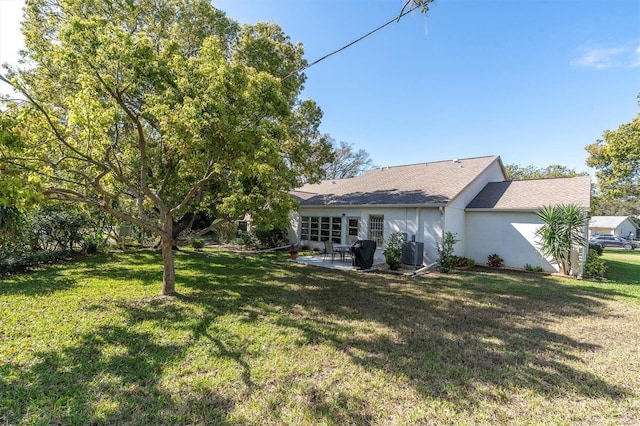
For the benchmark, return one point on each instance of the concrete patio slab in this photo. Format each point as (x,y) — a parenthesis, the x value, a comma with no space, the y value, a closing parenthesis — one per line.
(325,262)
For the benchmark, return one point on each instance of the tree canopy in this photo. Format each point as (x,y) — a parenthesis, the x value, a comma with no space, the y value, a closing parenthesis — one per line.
(616,158)
(517,172)
(147,110)
(347,162)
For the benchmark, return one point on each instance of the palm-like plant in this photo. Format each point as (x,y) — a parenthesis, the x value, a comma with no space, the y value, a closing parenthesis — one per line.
(562,232)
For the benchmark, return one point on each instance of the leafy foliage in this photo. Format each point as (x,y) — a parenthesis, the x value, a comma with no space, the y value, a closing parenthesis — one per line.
(446,258)
(616,158)
(393,250)
(47,234)
(603,206)
(594,267)
(495,261)
(517,172)
(197,243)
(531,268)
(13,231)
(151,110)
(562,233)
(268,238)
(58,227)
(463,262)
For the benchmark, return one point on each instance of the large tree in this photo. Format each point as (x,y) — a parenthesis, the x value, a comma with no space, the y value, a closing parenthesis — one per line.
(148,109)
(347,162)
(616,158)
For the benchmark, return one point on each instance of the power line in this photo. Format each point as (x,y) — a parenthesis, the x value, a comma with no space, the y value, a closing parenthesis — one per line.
(395,19)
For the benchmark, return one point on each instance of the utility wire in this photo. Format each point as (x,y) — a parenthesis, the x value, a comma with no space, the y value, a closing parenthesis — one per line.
(396,19)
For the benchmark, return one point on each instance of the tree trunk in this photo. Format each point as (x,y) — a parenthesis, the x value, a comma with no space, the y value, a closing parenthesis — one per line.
(169,275)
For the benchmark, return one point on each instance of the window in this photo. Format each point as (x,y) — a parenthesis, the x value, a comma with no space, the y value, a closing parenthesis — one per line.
(336,229)
(321,228)
(305,228)
(315,229)
(376,229)
(354,227)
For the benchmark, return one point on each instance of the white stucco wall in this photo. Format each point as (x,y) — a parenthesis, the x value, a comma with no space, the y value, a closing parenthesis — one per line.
(455,215)
(454,222)
(399,219)
(431,231)
(509,234)
(424,223)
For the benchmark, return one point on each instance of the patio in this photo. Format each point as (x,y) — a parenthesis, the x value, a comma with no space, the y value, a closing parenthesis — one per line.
(325,261)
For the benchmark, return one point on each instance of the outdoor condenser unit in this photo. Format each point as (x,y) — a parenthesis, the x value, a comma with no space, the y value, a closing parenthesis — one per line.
(412,253)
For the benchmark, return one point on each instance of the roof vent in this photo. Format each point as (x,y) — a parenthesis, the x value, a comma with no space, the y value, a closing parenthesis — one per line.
(456,161)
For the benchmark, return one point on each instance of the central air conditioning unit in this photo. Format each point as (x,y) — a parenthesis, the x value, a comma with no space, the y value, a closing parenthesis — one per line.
(412,253)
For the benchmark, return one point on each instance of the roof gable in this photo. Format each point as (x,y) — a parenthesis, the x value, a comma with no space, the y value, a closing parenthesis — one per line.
(608,221)
(534,194)
(424,183)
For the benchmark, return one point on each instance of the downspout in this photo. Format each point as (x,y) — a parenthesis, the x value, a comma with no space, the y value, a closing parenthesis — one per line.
(442,225)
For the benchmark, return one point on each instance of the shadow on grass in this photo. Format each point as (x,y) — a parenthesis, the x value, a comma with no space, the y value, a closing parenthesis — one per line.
(35,283)
(447,336)
(446,345)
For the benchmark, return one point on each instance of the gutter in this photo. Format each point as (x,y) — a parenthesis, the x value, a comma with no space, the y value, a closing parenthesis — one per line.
(362,206)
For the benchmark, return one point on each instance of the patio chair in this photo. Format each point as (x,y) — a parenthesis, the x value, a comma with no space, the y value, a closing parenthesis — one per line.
(328,250)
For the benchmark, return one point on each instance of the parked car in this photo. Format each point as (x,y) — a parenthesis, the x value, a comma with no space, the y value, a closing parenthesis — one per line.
(613,241)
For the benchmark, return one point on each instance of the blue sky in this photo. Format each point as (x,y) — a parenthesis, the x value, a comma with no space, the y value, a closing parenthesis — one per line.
(533,81)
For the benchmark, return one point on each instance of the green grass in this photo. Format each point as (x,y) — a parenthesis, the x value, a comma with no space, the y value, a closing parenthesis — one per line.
(256,339)
(623,267)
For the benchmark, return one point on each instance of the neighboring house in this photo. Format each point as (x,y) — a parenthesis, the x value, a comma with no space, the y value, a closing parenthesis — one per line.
(468,197)
(621,226)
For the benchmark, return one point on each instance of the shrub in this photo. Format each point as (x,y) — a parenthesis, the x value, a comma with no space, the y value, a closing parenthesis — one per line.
(14,235)
(594,267)
(562,232)
(197,244)
(495,261)
(246,239)
(225,231)
(22,263)
(59,227)
(268,238)
(531,268)
(393,251)
(446,258)
(463,262)
(91,245)
(598,248)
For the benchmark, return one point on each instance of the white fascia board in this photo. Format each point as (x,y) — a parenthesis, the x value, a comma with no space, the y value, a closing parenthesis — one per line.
(368,206)
(503,210)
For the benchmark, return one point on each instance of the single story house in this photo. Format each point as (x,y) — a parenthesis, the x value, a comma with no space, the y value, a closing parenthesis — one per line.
(468,197)
(621,226)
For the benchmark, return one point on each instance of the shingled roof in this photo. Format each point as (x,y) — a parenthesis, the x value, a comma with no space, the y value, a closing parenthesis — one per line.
(533,194)
(434,183)
(607,221)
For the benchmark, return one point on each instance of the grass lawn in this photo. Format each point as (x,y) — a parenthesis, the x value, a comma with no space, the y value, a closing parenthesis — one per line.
(256,339)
